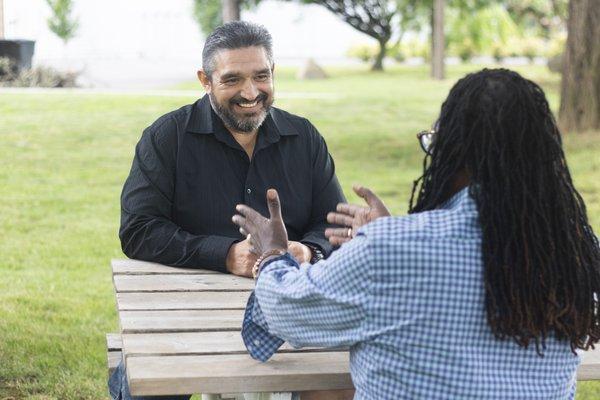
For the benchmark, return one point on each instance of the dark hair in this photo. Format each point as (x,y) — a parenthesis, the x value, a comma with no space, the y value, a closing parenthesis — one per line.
(541,257)
(235,35)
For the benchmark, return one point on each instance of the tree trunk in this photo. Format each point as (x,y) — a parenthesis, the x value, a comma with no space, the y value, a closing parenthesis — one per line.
(580,92)
(231,10)
(1,19)
(437,40)
(378,64)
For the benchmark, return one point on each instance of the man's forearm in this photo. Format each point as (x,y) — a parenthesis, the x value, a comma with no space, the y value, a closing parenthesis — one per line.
(159,240)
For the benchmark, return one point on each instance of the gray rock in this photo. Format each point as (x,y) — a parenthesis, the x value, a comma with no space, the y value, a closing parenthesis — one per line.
(310,70)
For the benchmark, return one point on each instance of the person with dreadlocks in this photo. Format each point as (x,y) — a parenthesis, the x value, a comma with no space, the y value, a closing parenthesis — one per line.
(484,291)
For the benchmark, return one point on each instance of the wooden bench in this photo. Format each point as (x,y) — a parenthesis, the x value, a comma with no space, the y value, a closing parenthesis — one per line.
(180,334)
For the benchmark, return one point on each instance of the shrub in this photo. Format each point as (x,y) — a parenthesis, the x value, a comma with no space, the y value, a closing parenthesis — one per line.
(34,77)
(364,52)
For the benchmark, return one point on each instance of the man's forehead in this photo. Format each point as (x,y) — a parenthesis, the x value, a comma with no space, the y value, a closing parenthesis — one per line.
(239,61)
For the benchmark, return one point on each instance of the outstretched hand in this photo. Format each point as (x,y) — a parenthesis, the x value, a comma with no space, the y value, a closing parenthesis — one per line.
(266,233)
(352,217)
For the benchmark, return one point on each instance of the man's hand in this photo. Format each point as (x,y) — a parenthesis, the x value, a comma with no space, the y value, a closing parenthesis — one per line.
(301,252)
(352,217)
(240,259)
(266,233)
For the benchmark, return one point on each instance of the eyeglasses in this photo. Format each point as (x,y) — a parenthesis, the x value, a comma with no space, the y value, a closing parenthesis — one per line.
(426,139)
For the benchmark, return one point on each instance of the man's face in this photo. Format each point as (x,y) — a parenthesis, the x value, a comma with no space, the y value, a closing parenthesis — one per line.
(241,87)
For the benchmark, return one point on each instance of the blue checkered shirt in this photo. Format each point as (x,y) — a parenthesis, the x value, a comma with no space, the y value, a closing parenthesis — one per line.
(407,297)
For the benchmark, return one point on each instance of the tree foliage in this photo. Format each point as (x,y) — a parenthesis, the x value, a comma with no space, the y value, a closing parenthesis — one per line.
(61,22)
(209,13)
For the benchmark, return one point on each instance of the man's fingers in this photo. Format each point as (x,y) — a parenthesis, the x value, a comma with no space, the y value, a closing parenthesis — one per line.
(339,219)
(273,204)
(241,222)
(367,194)
(248,213)
(341,232)
(338,240)
(350,209)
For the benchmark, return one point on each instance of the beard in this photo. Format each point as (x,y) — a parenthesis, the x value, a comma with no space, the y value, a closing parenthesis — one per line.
(239,122)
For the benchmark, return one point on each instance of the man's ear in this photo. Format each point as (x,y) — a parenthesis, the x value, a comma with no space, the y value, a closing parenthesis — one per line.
(205,81)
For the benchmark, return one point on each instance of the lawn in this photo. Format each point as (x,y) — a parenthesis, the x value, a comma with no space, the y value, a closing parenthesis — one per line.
(63,160)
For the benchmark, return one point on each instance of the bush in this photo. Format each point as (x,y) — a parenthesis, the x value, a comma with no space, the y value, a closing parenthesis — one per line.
(34,77)
(364,52)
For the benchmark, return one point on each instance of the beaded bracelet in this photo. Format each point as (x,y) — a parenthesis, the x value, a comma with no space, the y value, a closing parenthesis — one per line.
(272,252)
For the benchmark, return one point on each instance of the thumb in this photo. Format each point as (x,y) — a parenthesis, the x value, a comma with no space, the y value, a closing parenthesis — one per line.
(366,193)
(273,204)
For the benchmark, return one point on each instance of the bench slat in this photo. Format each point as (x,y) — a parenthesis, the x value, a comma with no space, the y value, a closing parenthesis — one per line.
(114,342)
(180,321)
(238,373)
(137,267)
(181,283)
(192,343)
(182,301)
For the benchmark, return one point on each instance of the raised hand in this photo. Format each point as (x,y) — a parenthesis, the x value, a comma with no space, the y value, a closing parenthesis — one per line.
(266,233)
(352,217)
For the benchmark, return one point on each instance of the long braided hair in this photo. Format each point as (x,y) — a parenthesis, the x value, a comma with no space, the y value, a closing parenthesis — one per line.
(541,257)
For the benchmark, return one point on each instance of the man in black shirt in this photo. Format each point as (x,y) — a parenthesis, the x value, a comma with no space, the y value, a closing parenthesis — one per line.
(193,165)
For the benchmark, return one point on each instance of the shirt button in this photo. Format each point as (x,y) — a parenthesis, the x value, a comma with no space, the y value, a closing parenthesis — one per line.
(249,191)
(256,342)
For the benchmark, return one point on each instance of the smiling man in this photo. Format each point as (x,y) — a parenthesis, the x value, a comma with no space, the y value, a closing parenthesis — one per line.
(193,165)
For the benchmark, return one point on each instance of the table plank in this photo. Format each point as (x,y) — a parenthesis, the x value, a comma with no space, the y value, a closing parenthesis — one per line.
(137,267)
(182,301)
(589,369)
(194,343)
(238,373)
(181,283)
(180,321)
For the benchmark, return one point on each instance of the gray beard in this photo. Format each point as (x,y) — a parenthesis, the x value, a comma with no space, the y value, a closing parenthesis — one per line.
(233,122)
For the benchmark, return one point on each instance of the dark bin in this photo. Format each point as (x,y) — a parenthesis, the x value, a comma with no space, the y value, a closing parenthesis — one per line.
(20,51)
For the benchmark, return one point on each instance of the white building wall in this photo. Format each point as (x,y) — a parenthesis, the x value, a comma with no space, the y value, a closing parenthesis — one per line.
(155,43)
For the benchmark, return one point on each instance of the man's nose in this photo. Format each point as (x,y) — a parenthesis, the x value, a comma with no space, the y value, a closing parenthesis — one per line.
(249,91)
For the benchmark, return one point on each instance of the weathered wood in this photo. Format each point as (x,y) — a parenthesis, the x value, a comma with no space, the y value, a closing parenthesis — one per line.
(137,267)
(182,301)
(192,343)
(589,369)
(114,358)
(114,342)
(181,283)
(180,321)
(238,373)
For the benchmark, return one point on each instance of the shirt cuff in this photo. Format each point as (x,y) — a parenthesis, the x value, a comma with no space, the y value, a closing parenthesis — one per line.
(261,345)
(213,252)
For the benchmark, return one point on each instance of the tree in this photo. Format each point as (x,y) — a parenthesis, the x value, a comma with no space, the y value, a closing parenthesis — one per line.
(209,13)
(437,40)
(580,91)
(61,22)
(379,19)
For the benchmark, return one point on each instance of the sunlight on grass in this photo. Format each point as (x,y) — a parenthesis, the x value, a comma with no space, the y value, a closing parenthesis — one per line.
(63,160)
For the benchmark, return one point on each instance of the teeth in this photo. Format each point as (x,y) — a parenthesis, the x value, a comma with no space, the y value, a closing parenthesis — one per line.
(248,105)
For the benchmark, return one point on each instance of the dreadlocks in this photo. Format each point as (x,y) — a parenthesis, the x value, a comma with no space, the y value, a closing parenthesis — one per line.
(541,258)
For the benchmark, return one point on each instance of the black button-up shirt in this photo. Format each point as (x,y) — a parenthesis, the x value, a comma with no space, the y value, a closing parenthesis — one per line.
(189,173)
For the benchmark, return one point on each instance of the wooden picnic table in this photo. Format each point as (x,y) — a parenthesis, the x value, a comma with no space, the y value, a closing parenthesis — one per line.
(180,332)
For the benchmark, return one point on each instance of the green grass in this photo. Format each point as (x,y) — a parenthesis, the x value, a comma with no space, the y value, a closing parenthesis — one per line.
(64,157)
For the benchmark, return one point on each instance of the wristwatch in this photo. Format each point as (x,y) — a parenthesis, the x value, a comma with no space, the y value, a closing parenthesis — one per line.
(317,253)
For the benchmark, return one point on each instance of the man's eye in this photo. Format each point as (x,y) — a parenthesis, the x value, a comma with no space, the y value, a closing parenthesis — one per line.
(262,77)
(231,81)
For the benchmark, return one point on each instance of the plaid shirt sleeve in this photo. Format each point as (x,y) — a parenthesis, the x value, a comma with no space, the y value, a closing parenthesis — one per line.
(322,304)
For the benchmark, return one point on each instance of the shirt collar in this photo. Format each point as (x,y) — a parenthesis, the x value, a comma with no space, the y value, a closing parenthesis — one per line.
(204,120)
(461,199)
